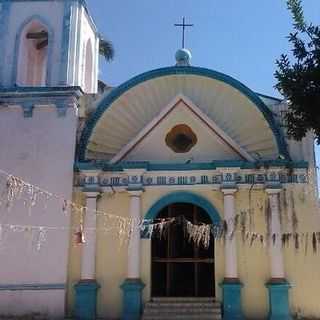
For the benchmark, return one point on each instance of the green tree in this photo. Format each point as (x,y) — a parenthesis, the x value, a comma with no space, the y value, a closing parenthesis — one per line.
(106,49)
(299,80)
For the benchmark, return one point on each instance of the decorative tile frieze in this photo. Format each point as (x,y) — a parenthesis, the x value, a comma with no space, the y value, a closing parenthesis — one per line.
(129,179)
(133,178)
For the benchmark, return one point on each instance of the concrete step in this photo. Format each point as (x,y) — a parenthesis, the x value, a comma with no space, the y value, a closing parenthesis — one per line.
(183,317)
(183,304)
(182,308)
(182,299)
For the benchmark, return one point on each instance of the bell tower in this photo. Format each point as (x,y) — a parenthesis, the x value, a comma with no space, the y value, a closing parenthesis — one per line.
(48,44)
(48,59)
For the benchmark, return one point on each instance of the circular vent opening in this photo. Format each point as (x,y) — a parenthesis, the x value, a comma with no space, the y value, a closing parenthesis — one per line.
(181,138)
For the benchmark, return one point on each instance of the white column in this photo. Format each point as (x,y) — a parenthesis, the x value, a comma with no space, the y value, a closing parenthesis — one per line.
(88,257)
(134,244)
(231,263)
(275,245)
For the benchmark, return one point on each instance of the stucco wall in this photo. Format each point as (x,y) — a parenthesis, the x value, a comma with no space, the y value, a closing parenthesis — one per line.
(301,269)
(39,149)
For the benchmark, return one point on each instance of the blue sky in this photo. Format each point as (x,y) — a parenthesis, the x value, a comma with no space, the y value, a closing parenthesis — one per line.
(240,38)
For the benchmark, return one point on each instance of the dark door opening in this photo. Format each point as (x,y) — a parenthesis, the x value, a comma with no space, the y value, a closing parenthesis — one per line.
(179,267)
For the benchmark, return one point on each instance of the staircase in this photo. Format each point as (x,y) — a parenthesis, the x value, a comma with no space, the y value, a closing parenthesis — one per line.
(182,308)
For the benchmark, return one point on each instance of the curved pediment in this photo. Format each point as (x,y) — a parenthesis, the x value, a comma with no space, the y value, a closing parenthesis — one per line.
(128,109)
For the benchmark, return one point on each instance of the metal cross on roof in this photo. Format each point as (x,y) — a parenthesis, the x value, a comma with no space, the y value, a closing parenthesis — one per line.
(183,25)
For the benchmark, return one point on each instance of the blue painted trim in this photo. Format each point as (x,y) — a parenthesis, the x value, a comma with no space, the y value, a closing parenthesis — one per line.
(90,188)
(105,166)
(86,299)
(22,89)
(39,91)
(65,43)
(44,22)
(117,92)
(4,23)
(27,97)
(183,197)
(279,300)
(231,299)
(32,286)
(132,299)
(269,97)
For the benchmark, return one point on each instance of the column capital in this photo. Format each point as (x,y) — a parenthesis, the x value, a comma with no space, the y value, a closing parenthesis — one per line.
(135,193)
(271,191)
(229,177)
(91,192)
(230,190)
(229,169)
(135,179)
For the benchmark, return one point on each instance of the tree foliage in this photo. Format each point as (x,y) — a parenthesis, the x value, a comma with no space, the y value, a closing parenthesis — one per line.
(106,49)
(299,80)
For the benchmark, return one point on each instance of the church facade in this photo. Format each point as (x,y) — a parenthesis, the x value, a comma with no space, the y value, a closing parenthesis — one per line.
(184,188)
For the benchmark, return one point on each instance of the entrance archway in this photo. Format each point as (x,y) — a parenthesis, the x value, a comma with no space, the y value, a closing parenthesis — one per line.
(180,268)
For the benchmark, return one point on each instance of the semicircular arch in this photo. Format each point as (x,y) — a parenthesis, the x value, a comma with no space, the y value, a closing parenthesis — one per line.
(17,46)
(183,197)
(108,100)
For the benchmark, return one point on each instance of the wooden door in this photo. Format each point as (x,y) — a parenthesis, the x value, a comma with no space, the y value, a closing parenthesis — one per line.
(179,267)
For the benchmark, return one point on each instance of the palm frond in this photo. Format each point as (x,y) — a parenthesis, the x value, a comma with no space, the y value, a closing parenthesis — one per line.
(106,49)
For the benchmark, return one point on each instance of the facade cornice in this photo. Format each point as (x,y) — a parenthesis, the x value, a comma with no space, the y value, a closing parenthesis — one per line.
(36,92)
(226,164)
(29,98)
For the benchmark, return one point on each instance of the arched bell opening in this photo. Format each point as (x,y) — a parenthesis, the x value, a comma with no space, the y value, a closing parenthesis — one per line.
(88,67)
(33,52)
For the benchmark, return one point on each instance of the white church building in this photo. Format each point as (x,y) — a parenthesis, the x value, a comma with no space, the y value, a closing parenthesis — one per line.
(181,148)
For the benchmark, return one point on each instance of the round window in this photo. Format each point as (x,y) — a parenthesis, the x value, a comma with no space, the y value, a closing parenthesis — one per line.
(181,138)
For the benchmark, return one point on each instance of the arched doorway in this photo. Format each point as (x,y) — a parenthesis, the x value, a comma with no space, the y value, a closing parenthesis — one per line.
(180,268)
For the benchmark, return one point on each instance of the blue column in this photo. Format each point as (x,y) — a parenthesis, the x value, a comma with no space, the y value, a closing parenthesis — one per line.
(86,299)
(132,299)
(279,300)
(231,295)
